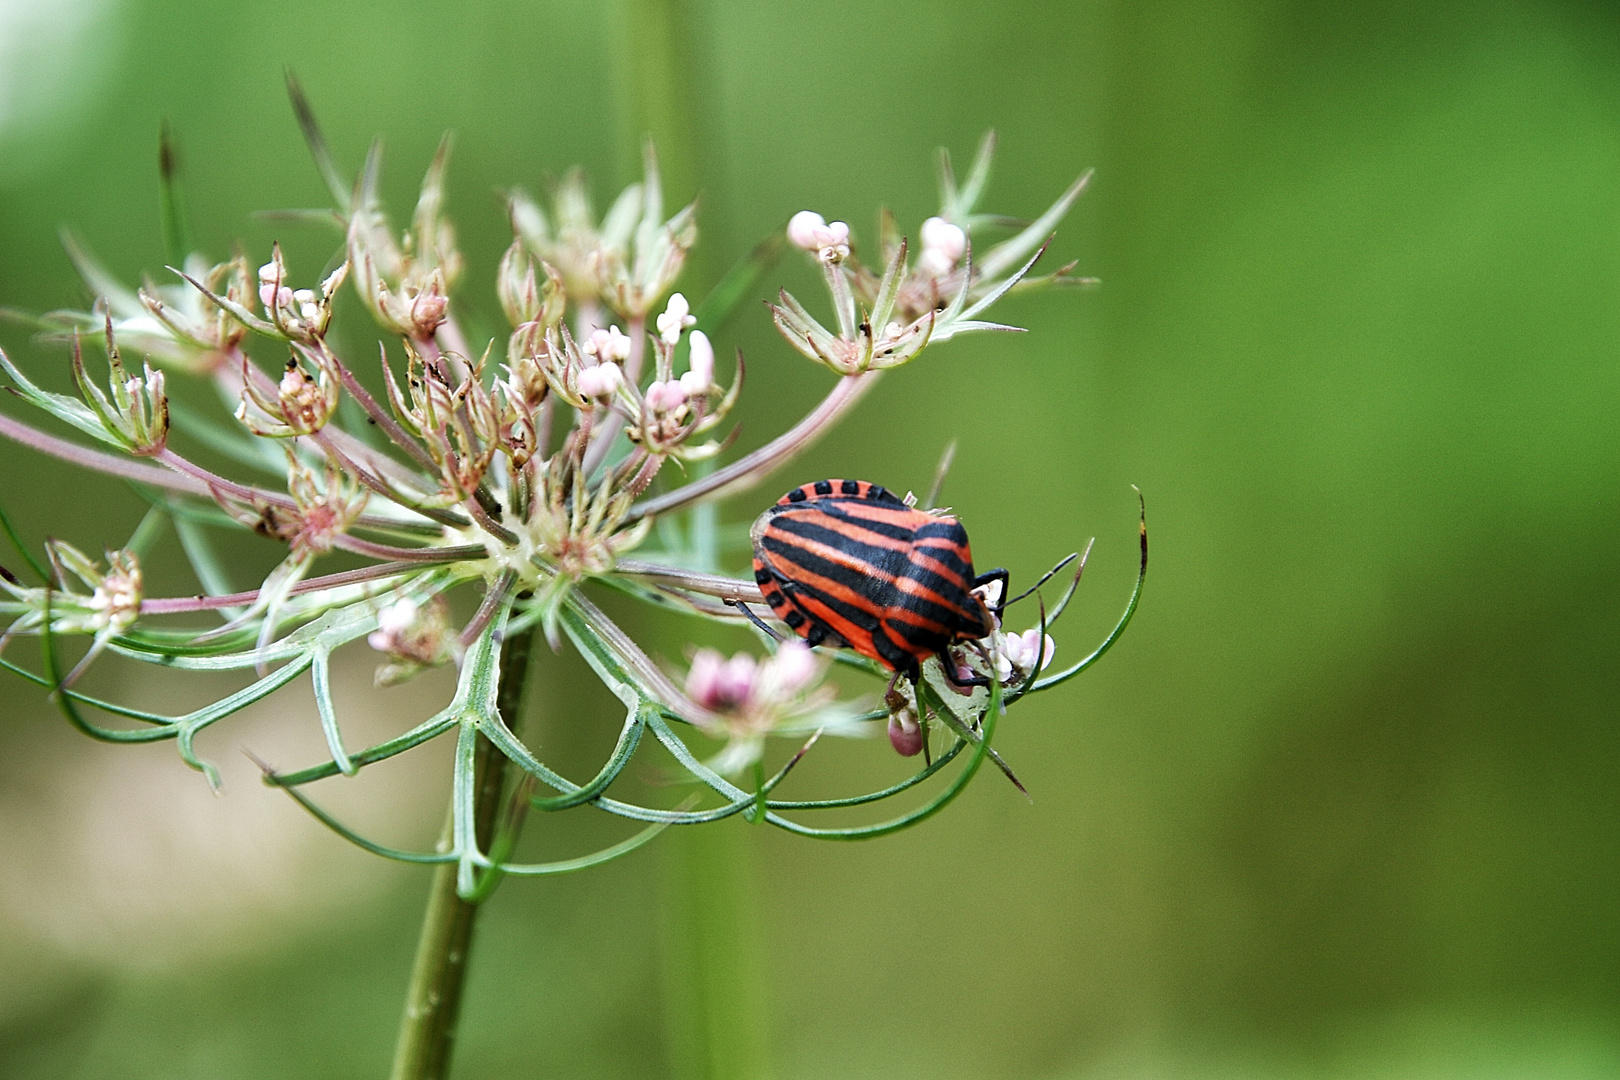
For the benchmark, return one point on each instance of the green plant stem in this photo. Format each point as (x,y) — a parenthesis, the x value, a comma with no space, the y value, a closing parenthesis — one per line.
(716,990)
(427,1031)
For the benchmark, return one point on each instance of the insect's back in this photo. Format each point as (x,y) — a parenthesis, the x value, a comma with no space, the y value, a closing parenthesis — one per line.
(845,562)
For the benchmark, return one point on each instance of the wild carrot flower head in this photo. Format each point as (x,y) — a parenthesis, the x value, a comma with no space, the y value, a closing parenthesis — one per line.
(567,466)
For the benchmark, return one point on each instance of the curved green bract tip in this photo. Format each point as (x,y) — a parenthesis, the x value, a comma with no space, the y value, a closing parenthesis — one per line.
(1113,635)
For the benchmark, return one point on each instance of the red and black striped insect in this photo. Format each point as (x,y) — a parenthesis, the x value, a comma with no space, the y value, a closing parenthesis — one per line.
(845,562)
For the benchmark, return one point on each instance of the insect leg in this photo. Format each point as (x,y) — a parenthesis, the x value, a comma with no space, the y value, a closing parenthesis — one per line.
(947,666)
(755,619)
(998,574)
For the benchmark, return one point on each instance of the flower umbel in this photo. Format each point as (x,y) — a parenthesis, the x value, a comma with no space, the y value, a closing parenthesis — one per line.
(532,480)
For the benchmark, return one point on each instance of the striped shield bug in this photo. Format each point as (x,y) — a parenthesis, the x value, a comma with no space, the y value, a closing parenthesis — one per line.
(846,563)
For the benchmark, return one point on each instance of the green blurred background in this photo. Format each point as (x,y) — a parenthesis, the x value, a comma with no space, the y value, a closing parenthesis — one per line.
(1342,804)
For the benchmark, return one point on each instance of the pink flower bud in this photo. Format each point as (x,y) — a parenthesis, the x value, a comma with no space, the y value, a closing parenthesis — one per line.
(1037,649)
(606,345)
(1023,650)
(394,619)
(428,311)
(941,236)
(599,381)
(934,263)
(720,684)
(905,734)
(665,397)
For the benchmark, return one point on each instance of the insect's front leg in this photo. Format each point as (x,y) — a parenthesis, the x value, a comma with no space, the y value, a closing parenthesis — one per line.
(998,574)
(948,667)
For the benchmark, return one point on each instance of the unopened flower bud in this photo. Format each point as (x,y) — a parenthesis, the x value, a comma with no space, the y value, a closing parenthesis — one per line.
(118,597)
(299,314)
(803,230)
(940,236)
(517,286)
(135,411)
(599,381)
(735,681)
(428,309)
(115,600)
(665,397)
(905,734)
(810,231)
(303,402)
(520,440)
(700,374)
(606,345)
(677,316)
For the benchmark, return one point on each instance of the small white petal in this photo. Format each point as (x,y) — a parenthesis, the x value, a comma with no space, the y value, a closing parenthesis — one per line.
(949,241)
(805,228)
(793,666)
(700,358)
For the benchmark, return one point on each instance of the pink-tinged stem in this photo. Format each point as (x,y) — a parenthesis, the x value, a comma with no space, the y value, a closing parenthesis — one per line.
(180,604)
(214,484)
(448,367)
(494,597)
(389,425)
(692,581)
(377,484)
(487,523)
(86,458)
(404,554)
(748,470)
(186,478)
(644,475)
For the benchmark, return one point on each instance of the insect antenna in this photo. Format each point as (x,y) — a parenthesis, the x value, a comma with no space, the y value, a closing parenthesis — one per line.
(940,472)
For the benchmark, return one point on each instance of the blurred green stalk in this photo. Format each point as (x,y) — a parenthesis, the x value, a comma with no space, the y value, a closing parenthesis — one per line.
(715,1009)
(427,1031)
(715,1005)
